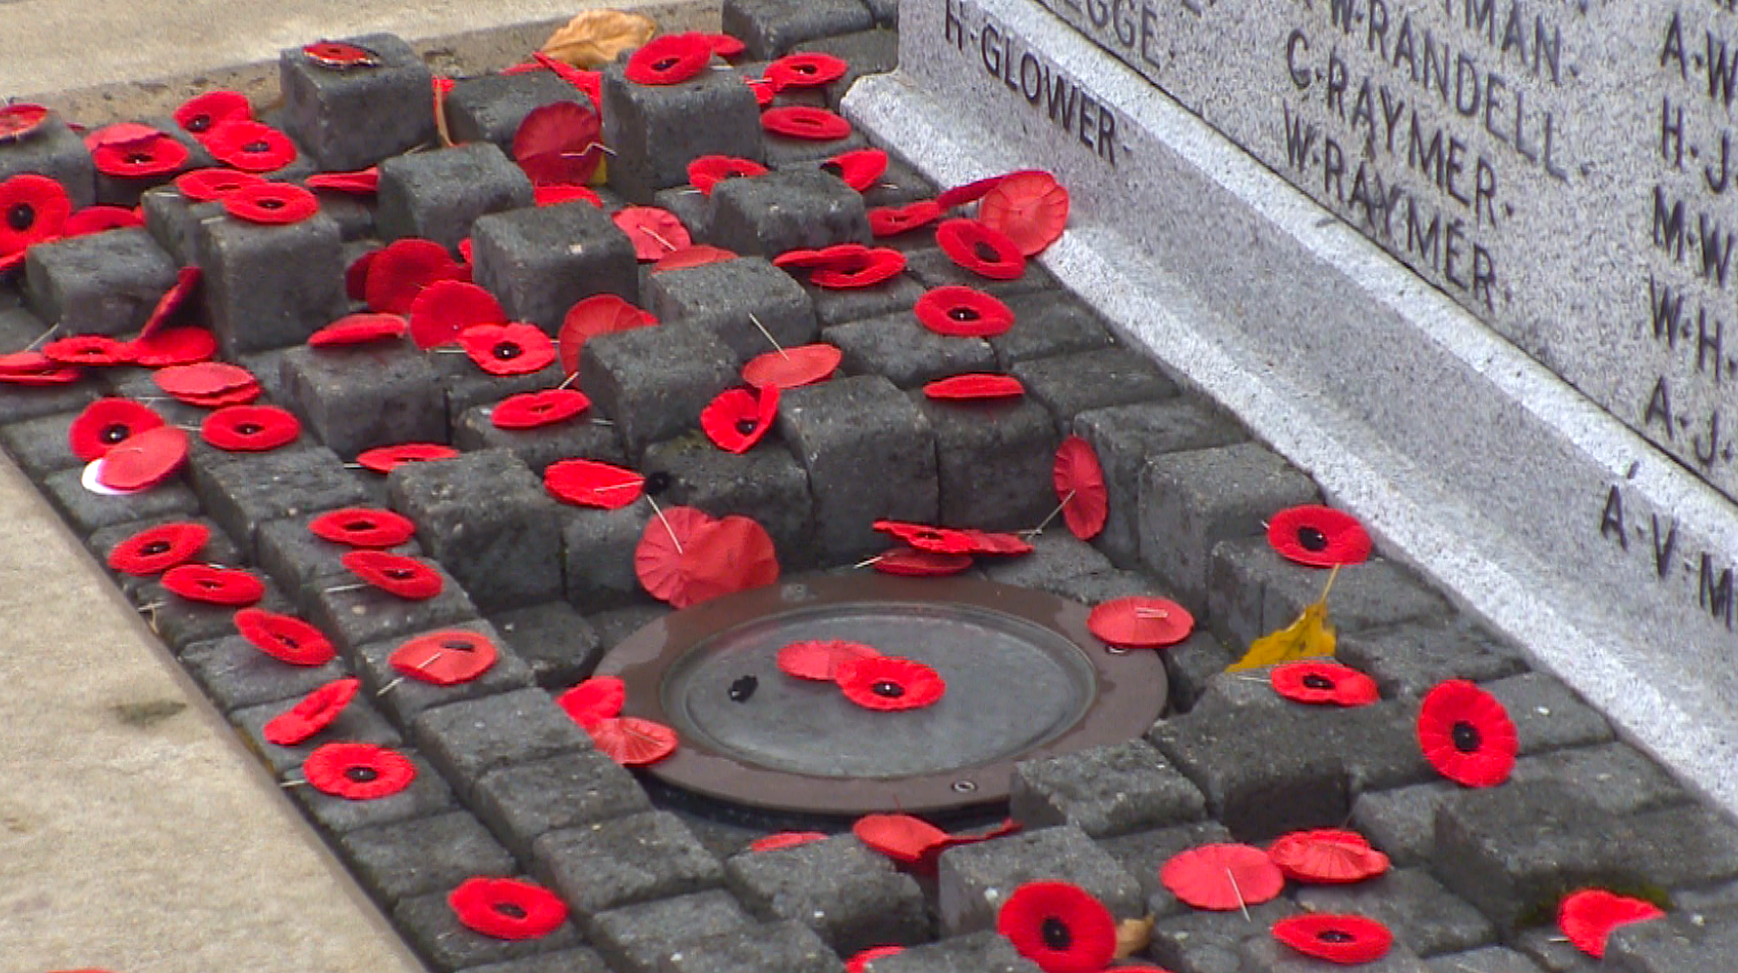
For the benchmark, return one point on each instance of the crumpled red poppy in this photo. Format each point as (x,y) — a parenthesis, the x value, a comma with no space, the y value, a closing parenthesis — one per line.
(669,59)
(506,908)
(889,683)
(358,771)
(311,714)
(1030,208)
(1222,877)
(136,154)
(175,300)
(33,368)
(530,410)
(250,428)
(785,839)
(858,168)
(395,574)
(143,459)
(340,55)
(36,210)
(590,83)
(1328,856)
(19,120)
(382,459)
(958,311)
(975,385)
(445,658)
(819,660)
(709,170)
(805,122)
(594,699)
(912,563)
(399,271)
(591,483)
(1344,939)
(157,549)
(361,182)
(213,585)
(1060,927)
(860,962)
(695,255)
(1079,483)
(885,221)
(106,423)
(655,232)
(792,367)
(599,314)
(845,265)
(359,329)
(285,638)
(901,837)
(632,741)
(975,247)
(249,146)
(90,350)
(557,194)
(807,69)
(211,185)
(445,309)
(737,419)
(363,527)
(1589,916)
(686,557)
(174,346)
(559,143)
(966,194)
(953,540)
(101,219)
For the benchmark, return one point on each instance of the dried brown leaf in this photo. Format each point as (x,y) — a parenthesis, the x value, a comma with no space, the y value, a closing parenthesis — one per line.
(1132,936)
(595,37)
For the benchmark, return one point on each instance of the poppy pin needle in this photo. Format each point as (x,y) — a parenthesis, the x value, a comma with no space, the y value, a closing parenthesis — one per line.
(293,783)
(42,337)
(780,348)
(1035,531)
(569,380)
(667,245)
(868,561)
(1241,905)
(344,587)
(420,665)
(666,521)
(1332,574)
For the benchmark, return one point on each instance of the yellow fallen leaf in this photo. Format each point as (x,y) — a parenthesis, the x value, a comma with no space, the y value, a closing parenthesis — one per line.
(1132,936)
(1310,637)
(594,38)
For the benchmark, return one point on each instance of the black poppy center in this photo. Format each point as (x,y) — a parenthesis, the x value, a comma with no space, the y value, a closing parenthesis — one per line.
(21,216)
(199,123)
(269,203)
(887,689)
(210,584)
(115,433)
(358,526)
(983,251)
(455,645)
(507,350)
(1056,934)
(249,428)
(743,688)
(361,774)
(963,313)
(1312,539)
(1335,936)
(399,574)
(257,145)
(657,483)
(155,548)
(1465,736)
(745,426)
(139,158)
(665,63)
(511,910)
(1316,680)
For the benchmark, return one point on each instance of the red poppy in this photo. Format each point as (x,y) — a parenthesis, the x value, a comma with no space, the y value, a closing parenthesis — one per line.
(210,185)
(851,265)
(399,271)
(177,299)
(559,143)
(250,146)
(859,168)
(1466,734)
(271,204)
(806,70)
(529,410)
(340,56)
(887,221)
(963,312)
(445,309)
(1328,856)
(597,315)
(445,658)
(208,384)
(1320,537)
(363,527)
(356,276)
(1060,927)
(631,741)
(361,182)
(250,428)
(506,908)
(101,219)
(913,563)
(1030,208)
(658,556)
(765,90)
(901,837)
(589,483)
(979,249)
(793,367)
(359,329)
(1222,877)
(35,210)
(950,540)
(202,113)
(971,192)
(284,637)
(1079,482)
(143,459)
(395,574)
(820,660)
(19,120)
(358,771)
(105,424)
(1588,917)
(863,962)
(1141,622)
(737,419)
(139,157)
(588,82)
(382,459)
(670,59)
(889,683)
(710,170)
(88,349)
(805,122)
(724,45)
(311,714)
(732,554)
(559,193)
(786,839)
(655,232)
(30,369)
(507,349)
(975,385)
(1342,939)
(174,346)
(119,134)
(157,549)
(594,699)
(213,585)
(1323,682)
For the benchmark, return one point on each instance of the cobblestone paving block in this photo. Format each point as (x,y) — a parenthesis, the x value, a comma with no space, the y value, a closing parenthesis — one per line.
(1551,951)
(901,184)
(765,484)
(1615,777)
(772,28)
(1414,906)
(1104,791)
(102,283)
(1490,959)
(359,721)
(250,491)
(1252,591)
(598,554)
(354,119)
(934,268)
(1191,501)
(526,801)
(993,461)
(270,286)
(467,739)
(1410,658)
(173,221)
(1048,324)
(543,260)
(1125,437)
(359,397)
(218,549)
(850,896)
(422,855)
(39,446)
(1056,556)
(293,556)
(434,931)
(486,517)
(581,437)
(427,794)
(864,52)
(438,194)
(559,645)
(1677,943)
(180,622)
(565,961)
(835,305)
(354,214)
(1071,384)
(1212,942)
(492,107)
(1191,665)
(978,952)
(1686,846)
(725,299)
(636,938)
(1143,853)
(843,428)
(88,512)
(236,674)
(774,946)
(625,860)
(411,696)
(905,352)
(1101,586)
(354,613)
(1267,954)
(654,382)
(688,205)
(464,386)
(656,130)
(787,209)
(59,153)
(617,624)
(1547,714)
(1402,822)
(974,880)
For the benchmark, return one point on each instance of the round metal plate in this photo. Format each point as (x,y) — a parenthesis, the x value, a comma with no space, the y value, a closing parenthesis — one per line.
(1025,679)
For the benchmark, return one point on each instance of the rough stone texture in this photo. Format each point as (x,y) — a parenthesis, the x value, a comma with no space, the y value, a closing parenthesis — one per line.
(1143,853)
(410,696)
(974,880)
(1614,777)
(1676,943)
(1105,791)
(88,512)
(362,396)
(656,130)
(437,194)
(834,305)
(905,352)
(59,153)
(563,961)
(293,556)
(1490,959)
(785,946)
(934,268)
(1415,907)
(559,645)
(355,118)
(1402,822)
(1048,323)
(523,802)
(104,283)
(1410,658)
(850,896)
(253,489)
(1253,591)
(609,864)
(598,558)
(1192,664)
(467,739)
(270,286)
(770,28)
(654,382)
(1547,714)
(236,674)
(786,210)
(978,952)
(1056,556)
(543,260)
(766,484)
(993,462)
(39,446)
(465,386)
(427,794)
(725,299)
(1212,942)
(490,108)
(435,932)
(409,858)
(637,938)
(173,220)
(864,52)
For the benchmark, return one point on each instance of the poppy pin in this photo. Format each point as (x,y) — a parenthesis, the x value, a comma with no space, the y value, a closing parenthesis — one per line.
(311,714)
(359,329)
(889,683)
(382,459)
(685,557)
(143,459)
(1589,916)
(174,346)
(90,350)
(101,219)
(285,638)
(214,585)
(599,314)
(157,549)
(358,771)
(808,69)
(786,839)
(340,55)
(978,248)
(19,120)
(1327,856)
(591,483)
(531,410)
(506,908)
(631,741)
(911,562)
(1078,479)
(211,185)
(33,209)
(360,182)
(271,204)
(1320,537)
(670,59)
(250,146)
(805,122)
(559,143)
(1029,208)
(138,156)
(958,311)
(399,271)
(1343,939)
(445,658)
(1060,927)
(594,699)
(395,574)
(1466,734)
(168,308)
(820,660)
(710,170)
(558,193)
(106,423)
(514,348)
(793,367)
(445,309)
(202,113)
(1323,683)
(886,221)
(655,232)
(1222,877)
(864,961)
(967,194)
(975,386)
(363,527)
(859,168)
(1141,622)
(250,428)
(737,419)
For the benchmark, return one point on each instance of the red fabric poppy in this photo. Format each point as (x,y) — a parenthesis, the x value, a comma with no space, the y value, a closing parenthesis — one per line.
(1141,622)
(401,269)
(950,540)
(859,168)
(589,483)
(208,383)
(599,314)
(529,410)
(177,299)
(358,771)
(250,428)
(507,349)
(588,82)
(805,122)
(858,266)
(174,346)
(359,329)
(34,368)
(792,367)
(445,309)
(912,563)
(139,158)
(808,69)
(339,55)
(1030,208)
(658,556)
(395,574)
(311,714)
(979,249)
(594,699)
(670,59)
(271,204)
(710,170)
(356,276)
(631,741)
(1466,734)
(1061,927)
(1328,856)
(213,585)
(1343,939)
(975,385)
(724,45)
(559,143)
(737,419)
(963,312)
(250,146)
(765,89)
(1320,537)
(360,182)
(885,221)
(382,459)
(889,683)
(284,637)
(445,658)
(733,554)
(105,424)
(363,527)
(19,120)
(1222,877)
(901,837)
(1588,917)
(210,185)
(971,192)
(119,134)
(785,839)
(143,459)
(1323,683)
(697,255)
(1079,483)
(101,219)
(157,549)
(33,209)
(202,113)
(559,193)
(506,908)
(863,962)
(89,349)
(820,660)
(655,232)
